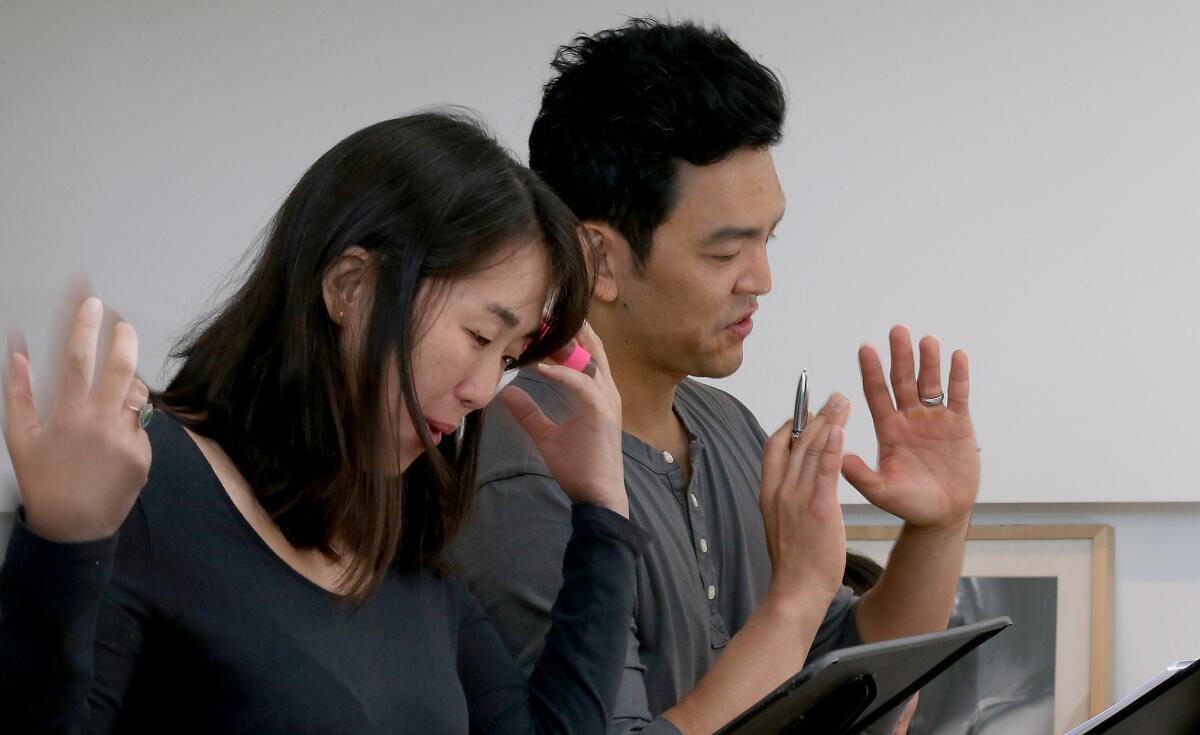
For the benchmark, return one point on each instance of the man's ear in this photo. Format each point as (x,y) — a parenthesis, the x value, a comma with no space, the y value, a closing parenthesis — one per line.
(344,286)
(612,258)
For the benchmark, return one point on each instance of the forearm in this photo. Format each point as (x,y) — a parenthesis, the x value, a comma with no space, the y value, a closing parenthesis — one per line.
(917,589)
(576,678)
(49,600)
(772,646)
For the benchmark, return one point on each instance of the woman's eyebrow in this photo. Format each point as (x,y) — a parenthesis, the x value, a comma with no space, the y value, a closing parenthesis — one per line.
(506,314)
(509,317)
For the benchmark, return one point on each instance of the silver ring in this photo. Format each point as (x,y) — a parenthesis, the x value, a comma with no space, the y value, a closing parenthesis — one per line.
(144,414)
(931,402)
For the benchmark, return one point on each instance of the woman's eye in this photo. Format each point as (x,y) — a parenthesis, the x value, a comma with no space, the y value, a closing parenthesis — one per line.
(724,258)
(479,338)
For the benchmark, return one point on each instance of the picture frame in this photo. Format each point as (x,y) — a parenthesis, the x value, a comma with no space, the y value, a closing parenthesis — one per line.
(1079,557)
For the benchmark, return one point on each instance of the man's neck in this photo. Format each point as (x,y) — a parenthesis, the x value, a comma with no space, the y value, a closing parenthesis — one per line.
(647,394)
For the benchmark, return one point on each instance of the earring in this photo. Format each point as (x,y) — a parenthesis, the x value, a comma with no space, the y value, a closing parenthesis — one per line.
(341,316)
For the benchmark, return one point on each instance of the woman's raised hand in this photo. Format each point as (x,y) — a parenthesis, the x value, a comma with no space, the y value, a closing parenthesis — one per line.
(584,452)
(80,472)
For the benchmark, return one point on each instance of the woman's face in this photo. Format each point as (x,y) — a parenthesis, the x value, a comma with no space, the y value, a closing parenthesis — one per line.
(476,332)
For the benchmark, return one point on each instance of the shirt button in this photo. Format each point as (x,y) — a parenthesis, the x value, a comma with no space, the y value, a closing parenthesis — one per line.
(712,592)
(669,457)
(695,500)
(703,546)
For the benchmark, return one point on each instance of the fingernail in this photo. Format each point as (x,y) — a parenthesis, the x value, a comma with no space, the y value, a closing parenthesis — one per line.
(837,402)
(16,342)
(91,305)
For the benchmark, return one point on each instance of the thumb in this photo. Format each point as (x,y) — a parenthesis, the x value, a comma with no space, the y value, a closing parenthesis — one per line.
(864,479)
(527,413)
(20,418)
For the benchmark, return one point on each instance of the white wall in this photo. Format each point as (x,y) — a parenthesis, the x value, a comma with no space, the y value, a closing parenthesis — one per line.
(1020,178)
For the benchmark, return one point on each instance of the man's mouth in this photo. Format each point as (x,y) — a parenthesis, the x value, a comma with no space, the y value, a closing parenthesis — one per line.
(743,326)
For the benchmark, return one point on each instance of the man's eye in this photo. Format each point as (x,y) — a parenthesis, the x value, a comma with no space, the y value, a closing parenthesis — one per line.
(724,258)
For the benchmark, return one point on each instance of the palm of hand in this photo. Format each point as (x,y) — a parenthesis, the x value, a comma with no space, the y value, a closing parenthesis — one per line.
(928,469)
(928,464)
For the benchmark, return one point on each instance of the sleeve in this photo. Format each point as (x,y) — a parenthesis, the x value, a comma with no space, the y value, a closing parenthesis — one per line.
(839,629)
(70,631)
(632,711)
(575,679)
(511,552)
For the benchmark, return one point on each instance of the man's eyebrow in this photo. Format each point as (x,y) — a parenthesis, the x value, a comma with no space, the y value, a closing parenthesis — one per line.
(733,232)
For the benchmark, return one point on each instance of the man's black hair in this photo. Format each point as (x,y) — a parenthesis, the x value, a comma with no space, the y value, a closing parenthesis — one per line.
(628,104)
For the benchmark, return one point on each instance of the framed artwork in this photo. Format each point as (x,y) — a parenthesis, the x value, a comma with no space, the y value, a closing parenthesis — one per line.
(1053,668)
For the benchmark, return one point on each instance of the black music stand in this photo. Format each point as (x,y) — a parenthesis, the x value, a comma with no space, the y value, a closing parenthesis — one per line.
(1168,704)
(843,692)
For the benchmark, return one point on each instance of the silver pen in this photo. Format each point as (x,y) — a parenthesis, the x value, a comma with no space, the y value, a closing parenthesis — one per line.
(800,418)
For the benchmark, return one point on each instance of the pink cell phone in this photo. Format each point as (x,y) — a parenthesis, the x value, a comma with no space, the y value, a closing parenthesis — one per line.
(580,360)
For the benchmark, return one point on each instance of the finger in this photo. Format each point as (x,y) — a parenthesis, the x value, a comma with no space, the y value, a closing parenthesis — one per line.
(595,347)
(20,418)
(864,479)
(960,383)
(527,413)
(803,460)
(812,428)
(77,291)
(815,475)
(108,321)
(929,379)
(775,460)
(875,388)
(582,386)
(79,361)
(136,398)
(904,379)
(118,372)
(829,465)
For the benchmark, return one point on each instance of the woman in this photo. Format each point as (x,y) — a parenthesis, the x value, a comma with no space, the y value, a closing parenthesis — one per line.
(277,568)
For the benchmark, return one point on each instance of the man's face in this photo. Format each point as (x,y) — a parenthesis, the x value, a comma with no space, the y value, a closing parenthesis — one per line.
(689,311)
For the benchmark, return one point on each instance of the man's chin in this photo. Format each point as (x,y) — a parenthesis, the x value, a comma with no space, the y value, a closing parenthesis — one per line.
(720,365)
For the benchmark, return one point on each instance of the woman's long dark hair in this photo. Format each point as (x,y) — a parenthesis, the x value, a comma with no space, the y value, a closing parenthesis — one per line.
(431,197)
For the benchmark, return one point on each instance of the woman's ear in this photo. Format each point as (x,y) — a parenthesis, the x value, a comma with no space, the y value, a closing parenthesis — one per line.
(344,286)
(609,250)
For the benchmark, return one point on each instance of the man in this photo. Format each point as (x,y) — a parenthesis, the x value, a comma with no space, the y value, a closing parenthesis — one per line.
(659,137)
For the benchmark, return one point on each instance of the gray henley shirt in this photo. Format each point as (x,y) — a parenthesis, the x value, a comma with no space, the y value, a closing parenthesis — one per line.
(704,572)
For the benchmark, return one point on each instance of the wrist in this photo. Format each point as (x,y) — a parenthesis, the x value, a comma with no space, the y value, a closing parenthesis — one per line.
(797,608)
(54,530)
(954,527)
(613,498)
